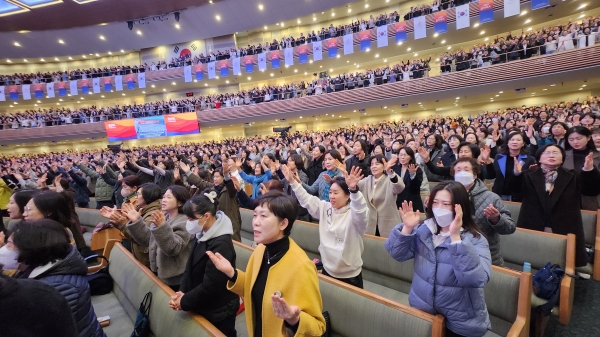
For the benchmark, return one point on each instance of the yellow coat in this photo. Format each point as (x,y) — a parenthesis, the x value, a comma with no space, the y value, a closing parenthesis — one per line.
(295,276)
(5,193)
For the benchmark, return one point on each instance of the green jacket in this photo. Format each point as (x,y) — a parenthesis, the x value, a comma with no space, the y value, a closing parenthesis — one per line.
(103,191)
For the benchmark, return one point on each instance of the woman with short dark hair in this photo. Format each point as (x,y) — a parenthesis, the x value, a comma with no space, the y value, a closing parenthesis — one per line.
(45,249)
(321,186)
(294,305)
(579,145)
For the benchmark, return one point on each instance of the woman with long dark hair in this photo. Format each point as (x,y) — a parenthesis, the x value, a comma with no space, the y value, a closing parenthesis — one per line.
(452,259)
(412,177)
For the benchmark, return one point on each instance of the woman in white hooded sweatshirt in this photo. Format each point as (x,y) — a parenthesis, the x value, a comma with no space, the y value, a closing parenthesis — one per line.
(342,223)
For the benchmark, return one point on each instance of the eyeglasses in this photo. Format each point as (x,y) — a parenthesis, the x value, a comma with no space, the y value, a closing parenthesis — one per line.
(553,153)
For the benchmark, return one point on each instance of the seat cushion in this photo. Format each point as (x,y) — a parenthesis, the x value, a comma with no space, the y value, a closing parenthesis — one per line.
(386,292)
(109,305)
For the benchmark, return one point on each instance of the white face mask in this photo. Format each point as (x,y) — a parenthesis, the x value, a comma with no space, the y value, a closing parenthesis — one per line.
(546,129)
(8,258)
(465,178)
(443,217)
(193,227)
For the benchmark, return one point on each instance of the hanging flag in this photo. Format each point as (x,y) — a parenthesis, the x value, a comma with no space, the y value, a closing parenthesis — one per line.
(249,64)
(382,36)
(73,88)
(119,83)
(26,90)
(107,84)
(13,92)
(235,64)
(187,74)
(289,56)
(512,7)
(537,4)
(303,54)
(224,68)
(365,40)
(486,11)
(130,82)
(50,90)
(317,50)
(2,95)
(199,73)
(142,80)
(463,16)
(332,47)
(262,61)
(420,27)
(400,28)
(348,44)
(62,89)
(211,70)
(441,23)
(275,60)
(39,92)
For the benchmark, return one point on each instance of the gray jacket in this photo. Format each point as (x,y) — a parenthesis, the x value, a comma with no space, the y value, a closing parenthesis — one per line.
(169,246)
(103,190)
(482,197)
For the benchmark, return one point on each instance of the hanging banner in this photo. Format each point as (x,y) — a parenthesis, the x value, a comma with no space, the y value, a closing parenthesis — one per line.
(262,61)
(441,23)
(13,92)
(130,82)
(187,74)
(486,11)
(107,84)
(62,89)
(211,70)
(38,91)
(317,51)
(275,60)
(303,54)
(365,40)
(332,47)
(512,8)
(382,36)
(224,68)
(26,90)
(537,4)
(249,64)
(463,17)
(348,44)
(142,80)
(50,90)
(198,71)
(2,95)
(119,83)
(420,27)
(400,28)
(73,88)
(235,64)
(288,53)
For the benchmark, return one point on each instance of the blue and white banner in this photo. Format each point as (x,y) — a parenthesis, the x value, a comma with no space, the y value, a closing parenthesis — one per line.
(289,56)
(50,89)
(26,91)
(537,4)
(107,84)
(382,36)
(73,88)
(262,61)
(275,59)
(235,64)
(463,17)
(512,8)
(119,83)
(420,27)
(142,80)
(211,70)
(2,94)
(249,64)
(187,73)
(348,44)
(332,47)
(317,51)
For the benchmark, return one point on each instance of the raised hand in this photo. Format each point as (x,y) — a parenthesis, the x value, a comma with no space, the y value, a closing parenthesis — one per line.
(389,165)
(225,168)
(341,166)
(410,218)
(327,178)
(518,166)
(457,223)
(354,177)
(588,165)
(176,175)
(263,188)
(158,218)
(130,212)
(238,162)
(107,212)
(221,263)
(236,183)
(424,154)
(287,173)
(485,154)
(289,313)
(492,214)
(412,168)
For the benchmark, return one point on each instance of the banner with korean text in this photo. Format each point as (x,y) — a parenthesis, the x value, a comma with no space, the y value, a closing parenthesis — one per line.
(441,23)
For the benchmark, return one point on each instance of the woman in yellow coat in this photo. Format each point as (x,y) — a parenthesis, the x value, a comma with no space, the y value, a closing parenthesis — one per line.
(280,281)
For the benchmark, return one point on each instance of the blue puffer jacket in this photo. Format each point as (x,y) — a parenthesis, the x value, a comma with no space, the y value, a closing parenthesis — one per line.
(448,279)
(68,277)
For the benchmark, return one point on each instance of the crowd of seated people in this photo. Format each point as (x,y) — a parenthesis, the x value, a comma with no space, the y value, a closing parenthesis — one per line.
(216,55)
(543,41)
(362,173)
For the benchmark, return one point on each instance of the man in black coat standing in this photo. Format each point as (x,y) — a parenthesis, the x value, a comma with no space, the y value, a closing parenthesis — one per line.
(315,167)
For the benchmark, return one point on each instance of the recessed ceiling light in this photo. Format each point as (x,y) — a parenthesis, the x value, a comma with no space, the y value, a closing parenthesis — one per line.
(218,17)
(153,86)
(305,73)
(314,18)
(366,5)
(416,54)
(227,81)
(97,54)
(261,7)
(60,100)
(84,56)
(61,41)
(400,43)
(205,84)
(449,47)
(476,25)
(332,14)
(487,38)
(523,13)
(25,60)
(249,78)
(298,21)
(102,96)
(266,27)
(109,53)
(337,56)
(42,60)
(143,92)
(349,10)
(39,101)
(122,51)
(443,41)
(456,98)
(282,24)
(102,37)
(17,44)
(139,32)
(177,26)
(500,92)
(123,94)
(482,32)
(409,49)
(8,61)
(581,6)
(70,58)
(330,70)
(436,35)
(385,60)
(173,83)
(164,89)
(527,21)
(271,74)
(295,70)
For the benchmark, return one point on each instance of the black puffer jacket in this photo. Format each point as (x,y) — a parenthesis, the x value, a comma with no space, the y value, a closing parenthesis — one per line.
(68,277)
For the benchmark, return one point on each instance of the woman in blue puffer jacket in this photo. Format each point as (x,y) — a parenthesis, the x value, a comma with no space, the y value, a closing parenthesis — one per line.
(452,260)
(44,248)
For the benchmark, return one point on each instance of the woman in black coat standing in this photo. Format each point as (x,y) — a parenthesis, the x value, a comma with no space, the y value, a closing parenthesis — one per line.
(552,195)
(412,176)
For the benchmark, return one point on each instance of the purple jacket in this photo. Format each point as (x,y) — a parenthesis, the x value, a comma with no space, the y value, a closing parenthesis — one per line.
(448,279)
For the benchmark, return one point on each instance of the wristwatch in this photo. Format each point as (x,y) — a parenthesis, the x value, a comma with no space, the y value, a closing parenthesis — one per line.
(353,191)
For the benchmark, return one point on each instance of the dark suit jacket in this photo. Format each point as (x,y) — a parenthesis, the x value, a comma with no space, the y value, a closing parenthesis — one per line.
(314,169)
(499,173)
(412,189)
(448,158)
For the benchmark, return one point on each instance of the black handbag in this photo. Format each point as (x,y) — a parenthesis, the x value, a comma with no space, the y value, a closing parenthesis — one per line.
(327,324)
(141,328)
(100,282)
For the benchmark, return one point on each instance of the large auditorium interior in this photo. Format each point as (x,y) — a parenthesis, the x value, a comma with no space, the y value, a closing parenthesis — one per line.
(418,168)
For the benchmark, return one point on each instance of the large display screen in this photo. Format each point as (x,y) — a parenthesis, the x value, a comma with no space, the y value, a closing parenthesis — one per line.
(151,127)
